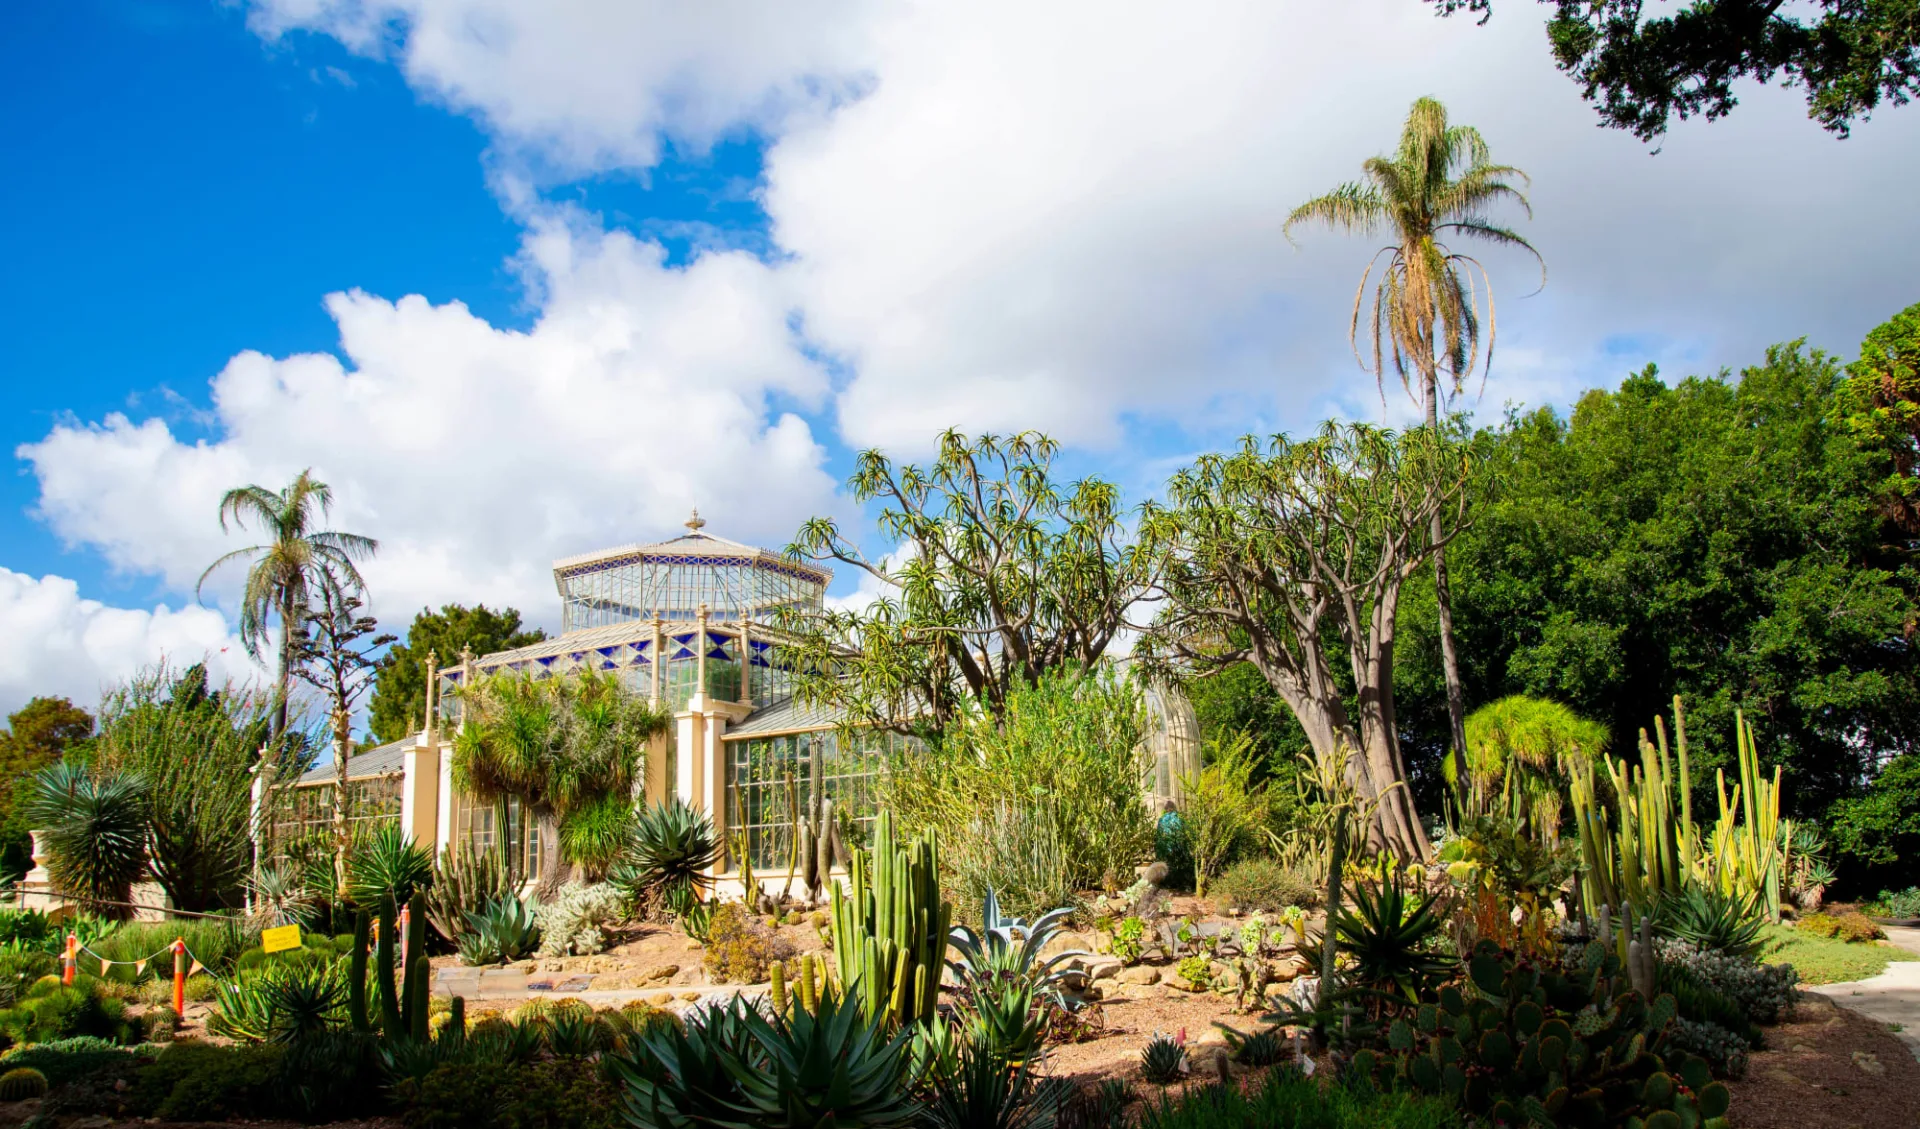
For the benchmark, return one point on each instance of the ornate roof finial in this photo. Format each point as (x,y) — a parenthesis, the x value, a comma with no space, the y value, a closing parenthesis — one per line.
(696,523)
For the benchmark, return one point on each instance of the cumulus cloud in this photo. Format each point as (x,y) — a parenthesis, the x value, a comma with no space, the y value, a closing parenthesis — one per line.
(60,644)
(477,454)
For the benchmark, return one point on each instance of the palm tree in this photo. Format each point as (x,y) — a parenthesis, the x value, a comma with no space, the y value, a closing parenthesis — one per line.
(1426,316)
(288,568)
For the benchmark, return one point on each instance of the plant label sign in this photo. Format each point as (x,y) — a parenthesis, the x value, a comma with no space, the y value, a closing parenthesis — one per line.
(281,939)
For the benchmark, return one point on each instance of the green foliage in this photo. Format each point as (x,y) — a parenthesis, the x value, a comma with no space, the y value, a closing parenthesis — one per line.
(1852,927)
(1878,831)
(890,927)
(50,1011)
(1262,885)
(282,998)
(566,1093)
(1640,72)
(503,930)
(467,880)
(1518,750)
(1723,540)
(1392,941)
(829,1064)
(980,1091)
(1540,1044)
(1058,766)
(1163,1061)
(63,1060)
(21,1084)
(740,950)
(1284,1099)
(37,734)
(192,1081)
(1764,991)
(1129,939)
(1708,919)
(1223,808)
(672,846)
(95,833)
(1880,404)
(386,869)
(1903,903)
(1018,579)
(217,943)
(400,689)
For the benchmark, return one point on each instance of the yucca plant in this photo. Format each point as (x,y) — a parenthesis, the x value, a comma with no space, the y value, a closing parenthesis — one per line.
(386,870)
(306,1002)
(95,834)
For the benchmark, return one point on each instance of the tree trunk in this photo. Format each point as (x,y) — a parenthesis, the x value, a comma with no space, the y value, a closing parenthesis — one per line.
(546,824)
(283,681)
(342,837)
(1443,602)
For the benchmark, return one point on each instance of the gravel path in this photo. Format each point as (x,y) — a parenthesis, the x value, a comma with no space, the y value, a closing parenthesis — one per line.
(1893,997)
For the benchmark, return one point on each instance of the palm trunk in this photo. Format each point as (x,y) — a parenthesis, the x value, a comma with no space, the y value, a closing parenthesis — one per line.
(1443,602)
(552,872)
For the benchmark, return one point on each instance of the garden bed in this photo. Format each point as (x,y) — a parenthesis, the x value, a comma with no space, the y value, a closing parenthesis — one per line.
(1828,1068)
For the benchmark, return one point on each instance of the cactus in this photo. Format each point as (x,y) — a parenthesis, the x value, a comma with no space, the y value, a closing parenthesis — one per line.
(383,961)
(357,974)
(1527,1044)
(413,994)
(419,1008)
(456,1028)
(777,990)
(22,1083)
(890,932)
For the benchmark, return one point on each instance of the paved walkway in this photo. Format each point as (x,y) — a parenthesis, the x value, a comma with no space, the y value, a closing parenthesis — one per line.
(501,985)
(1893,997)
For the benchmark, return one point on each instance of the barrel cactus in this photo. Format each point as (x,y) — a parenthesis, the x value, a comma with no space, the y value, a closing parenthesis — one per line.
(20,1084)
(1524,1043)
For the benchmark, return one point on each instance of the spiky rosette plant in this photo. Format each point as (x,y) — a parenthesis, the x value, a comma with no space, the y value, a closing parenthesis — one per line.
(670,848)
(95,834)
(1164,1060)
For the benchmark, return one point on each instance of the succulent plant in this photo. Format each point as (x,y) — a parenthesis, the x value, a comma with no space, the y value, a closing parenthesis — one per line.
(1261,1048)
(1164,1060)
(1538,1044)
(21,1083)
(502,930)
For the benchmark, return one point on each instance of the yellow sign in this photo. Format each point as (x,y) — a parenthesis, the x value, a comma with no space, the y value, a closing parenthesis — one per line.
(281,939)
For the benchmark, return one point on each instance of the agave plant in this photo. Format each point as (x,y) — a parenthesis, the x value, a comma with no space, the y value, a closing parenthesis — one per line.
(1007,1017)
(96,834)
(505,930)
(1710,919)
(734,1066)
(1009,947)
(1164,1060)
(576,1032)
(1390,937)
(671,847)
(981,1092)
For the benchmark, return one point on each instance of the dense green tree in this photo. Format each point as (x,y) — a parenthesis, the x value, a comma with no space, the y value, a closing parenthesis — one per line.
(1880,401)
(1722,540)
(37,734)
(1848,55)
(1877,833)
(1427,320)
(284,571)
(400,685)
(999,576)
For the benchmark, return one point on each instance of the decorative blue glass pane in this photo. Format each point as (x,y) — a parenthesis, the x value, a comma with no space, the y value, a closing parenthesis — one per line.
(687,638)
(759,645)
(717,653)
(546,662)
(758,661)
(683,653)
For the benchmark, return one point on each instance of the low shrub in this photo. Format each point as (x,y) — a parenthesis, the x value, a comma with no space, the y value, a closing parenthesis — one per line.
(216,943)
(740,950)
(1853,926)
(1262,885)
(1764,992)
(572,922)
(24,927)
(20,965)
(1287,1099)
(193,1081)
(50,1011)
(1725,1051)
(561,1094)
(1902,903)
(64,1060)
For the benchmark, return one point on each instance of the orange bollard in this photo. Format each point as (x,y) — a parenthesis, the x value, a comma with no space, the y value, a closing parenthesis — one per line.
(70,963)
(404,912)
(179,947)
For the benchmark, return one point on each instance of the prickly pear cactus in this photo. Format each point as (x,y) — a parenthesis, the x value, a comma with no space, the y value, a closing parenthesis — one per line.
(1522,1044)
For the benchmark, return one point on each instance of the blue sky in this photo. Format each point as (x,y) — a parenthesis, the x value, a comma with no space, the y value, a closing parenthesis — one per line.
(524,279)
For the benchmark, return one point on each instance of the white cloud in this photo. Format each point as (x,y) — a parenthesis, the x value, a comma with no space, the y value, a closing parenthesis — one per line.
(476,455)
(60,644)
(580,84)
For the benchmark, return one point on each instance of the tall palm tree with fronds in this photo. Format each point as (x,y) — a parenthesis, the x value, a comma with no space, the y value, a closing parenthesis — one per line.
(1432,308)
(287,568)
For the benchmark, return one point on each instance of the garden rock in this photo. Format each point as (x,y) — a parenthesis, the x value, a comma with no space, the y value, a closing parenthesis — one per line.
(1139,974)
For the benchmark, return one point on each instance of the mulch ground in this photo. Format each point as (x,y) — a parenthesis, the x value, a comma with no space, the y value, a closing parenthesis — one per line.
(1828,1068)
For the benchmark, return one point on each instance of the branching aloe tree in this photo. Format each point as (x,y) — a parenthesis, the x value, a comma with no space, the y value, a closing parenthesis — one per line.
(1000,576)
(333,653)
(1270,555)
(1432,306)
(569,749)
(287,568)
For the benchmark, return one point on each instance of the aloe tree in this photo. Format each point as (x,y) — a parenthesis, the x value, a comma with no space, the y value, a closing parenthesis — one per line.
(288,568)
(569,748)
(1430,300)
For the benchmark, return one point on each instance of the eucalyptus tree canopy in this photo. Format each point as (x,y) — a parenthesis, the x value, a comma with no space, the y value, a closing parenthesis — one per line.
(999,577)
(1640,73)
(1270,554)
(288,567)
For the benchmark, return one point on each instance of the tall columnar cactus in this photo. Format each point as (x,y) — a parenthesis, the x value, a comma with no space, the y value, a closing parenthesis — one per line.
(890,931)
(413,989)
(357,973)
